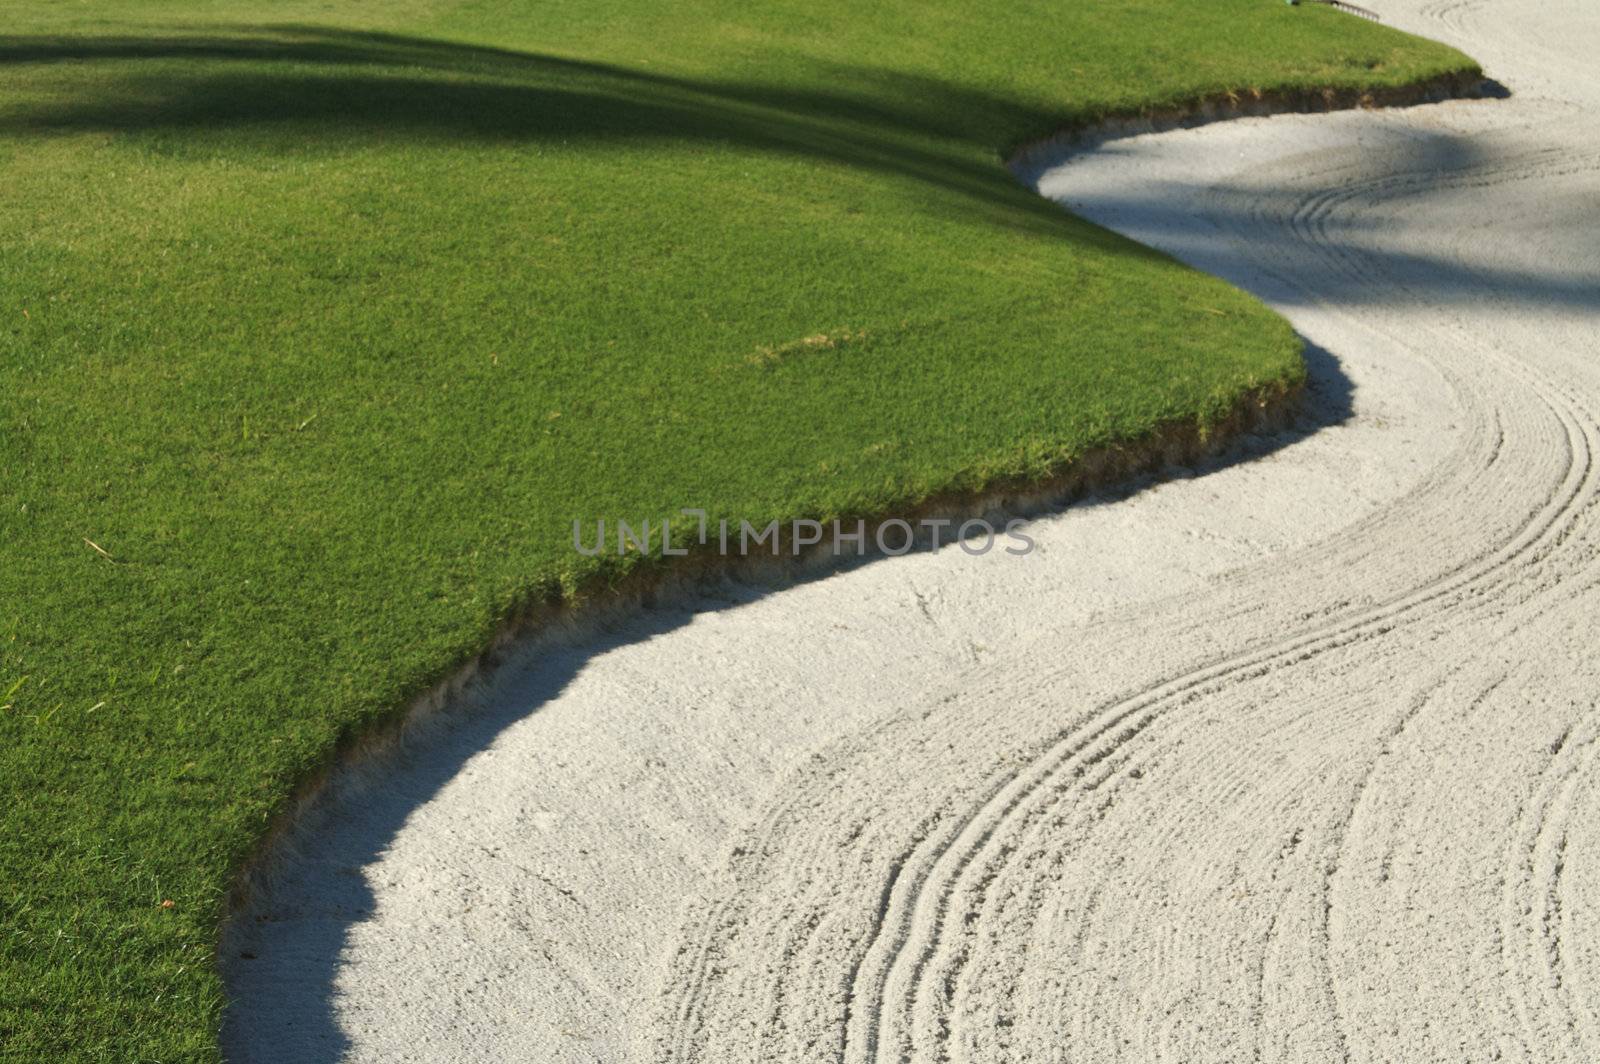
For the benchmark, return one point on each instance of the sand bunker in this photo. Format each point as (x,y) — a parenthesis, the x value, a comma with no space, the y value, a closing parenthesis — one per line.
(1290,761)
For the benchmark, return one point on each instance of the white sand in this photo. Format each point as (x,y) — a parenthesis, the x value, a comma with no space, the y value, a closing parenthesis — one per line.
(1290,761)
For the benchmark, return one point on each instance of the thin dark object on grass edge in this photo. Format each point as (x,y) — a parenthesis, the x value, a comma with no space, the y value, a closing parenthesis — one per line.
(1353,9)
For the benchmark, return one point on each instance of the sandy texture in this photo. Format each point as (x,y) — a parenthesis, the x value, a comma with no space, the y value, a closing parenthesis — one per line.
(1289,761)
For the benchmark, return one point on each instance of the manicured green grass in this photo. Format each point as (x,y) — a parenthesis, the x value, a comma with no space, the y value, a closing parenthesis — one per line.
(325,332)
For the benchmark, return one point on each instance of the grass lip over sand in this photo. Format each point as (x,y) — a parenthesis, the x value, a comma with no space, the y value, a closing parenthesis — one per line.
(1455,85)
(315,339)
(1170,446)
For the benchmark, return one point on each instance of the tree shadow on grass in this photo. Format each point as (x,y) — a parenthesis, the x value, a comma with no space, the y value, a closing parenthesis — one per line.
(308,88)
(335,88)
(879,96)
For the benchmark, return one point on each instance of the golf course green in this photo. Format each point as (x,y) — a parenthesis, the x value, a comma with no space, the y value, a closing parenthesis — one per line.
(317,336)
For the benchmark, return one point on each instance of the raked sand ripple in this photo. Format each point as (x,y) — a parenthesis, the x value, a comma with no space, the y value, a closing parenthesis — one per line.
(1290,761)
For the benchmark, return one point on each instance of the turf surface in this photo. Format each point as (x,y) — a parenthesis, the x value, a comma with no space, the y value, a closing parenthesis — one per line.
(315,337)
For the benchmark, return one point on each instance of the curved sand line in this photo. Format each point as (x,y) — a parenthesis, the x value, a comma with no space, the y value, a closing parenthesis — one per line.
(1290,761)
